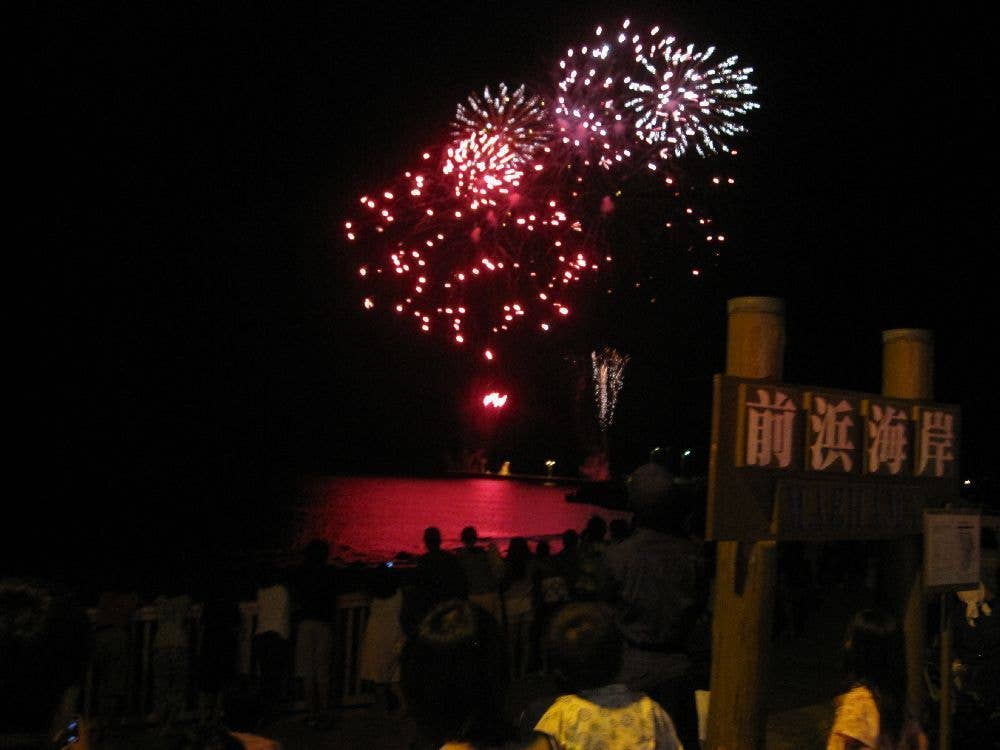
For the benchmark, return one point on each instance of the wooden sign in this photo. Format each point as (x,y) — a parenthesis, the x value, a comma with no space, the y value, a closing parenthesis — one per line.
(799,462)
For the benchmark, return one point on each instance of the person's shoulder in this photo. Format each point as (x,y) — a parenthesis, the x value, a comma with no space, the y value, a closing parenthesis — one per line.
(856,716)
(856,696)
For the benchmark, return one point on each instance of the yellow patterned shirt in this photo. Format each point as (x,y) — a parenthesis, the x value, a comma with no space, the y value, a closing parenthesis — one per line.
(609,718)
(856,725)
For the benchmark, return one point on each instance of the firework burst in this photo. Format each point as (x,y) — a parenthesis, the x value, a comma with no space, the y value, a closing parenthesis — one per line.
(639,96)
(471,271)
(508,225)
(590,121)
(683,100)
(521,119)
(495,140)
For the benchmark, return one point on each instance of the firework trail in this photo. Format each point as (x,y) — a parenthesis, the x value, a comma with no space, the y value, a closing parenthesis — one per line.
(608,374)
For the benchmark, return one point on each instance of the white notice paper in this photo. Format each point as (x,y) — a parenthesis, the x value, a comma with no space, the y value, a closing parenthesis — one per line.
(951,549)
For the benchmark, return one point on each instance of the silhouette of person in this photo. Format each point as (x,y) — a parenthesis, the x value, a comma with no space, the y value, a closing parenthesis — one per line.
(438,576)
(872,713)
(483,570)
(597,710)
(171,651)
(659,587)
(112,650)
(271,641)
(455,679)
(220,622)
(45,644)
(518,607)
(316,610)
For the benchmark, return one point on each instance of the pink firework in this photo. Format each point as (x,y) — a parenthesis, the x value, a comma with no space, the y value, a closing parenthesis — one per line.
(495,141)
(470,270)
(640,96)
(591,123)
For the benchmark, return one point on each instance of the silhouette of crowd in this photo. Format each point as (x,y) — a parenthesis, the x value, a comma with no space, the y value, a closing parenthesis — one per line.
(615,616)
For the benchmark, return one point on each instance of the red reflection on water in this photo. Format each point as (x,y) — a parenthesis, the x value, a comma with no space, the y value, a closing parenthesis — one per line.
(377,517)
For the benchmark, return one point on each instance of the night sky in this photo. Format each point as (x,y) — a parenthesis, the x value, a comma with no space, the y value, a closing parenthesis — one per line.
(195,339)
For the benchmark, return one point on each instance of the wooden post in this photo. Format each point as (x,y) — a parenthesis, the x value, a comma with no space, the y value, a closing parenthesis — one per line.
(908,372)
(944,664)
(745,571)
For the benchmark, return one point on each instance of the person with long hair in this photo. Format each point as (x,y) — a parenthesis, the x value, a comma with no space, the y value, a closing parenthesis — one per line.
(872,713)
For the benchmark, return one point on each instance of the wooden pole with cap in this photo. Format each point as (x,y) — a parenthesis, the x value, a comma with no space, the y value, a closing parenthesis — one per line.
(908,372)
(745,572)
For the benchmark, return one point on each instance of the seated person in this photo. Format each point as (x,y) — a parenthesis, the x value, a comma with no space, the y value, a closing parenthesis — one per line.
(585,655)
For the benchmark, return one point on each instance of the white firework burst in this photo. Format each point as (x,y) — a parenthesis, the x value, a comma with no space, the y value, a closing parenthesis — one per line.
(681,100)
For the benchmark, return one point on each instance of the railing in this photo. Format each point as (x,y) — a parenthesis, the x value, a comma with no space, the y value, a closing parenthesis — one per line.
(346,688)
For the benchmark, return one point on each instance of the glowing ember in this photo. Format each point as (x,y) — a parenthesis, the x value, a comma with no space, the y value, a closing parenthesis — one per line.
(495,400)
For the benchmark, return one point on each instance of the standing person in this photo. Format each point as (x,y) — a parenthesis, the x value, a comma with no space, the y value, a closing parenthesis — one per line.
(872,713)
(517,604)
(568,558)
(597,711)
(271,644)
(438,577)
(220,622)
(45,644)
(591,583)
(618,530)
(172,652)
(316,609)
(549,592)
(382,640)
(113,652)
(659,589)
(483,568)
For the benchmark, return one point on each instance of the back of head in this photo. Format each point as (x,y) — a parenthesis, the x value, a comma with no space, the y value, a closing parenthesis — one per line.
(454,675)
(874,658)
(873,645)
(585,645)
(469,536)
(619,529)
(383,582)
(651,497)
(432,538)
(45,640)
(570,539)
(596,529)
(317,553)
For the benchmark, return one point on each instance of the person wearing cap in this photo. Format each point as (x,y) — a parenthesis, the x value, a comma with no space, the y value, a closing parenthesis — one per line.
(658,586)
